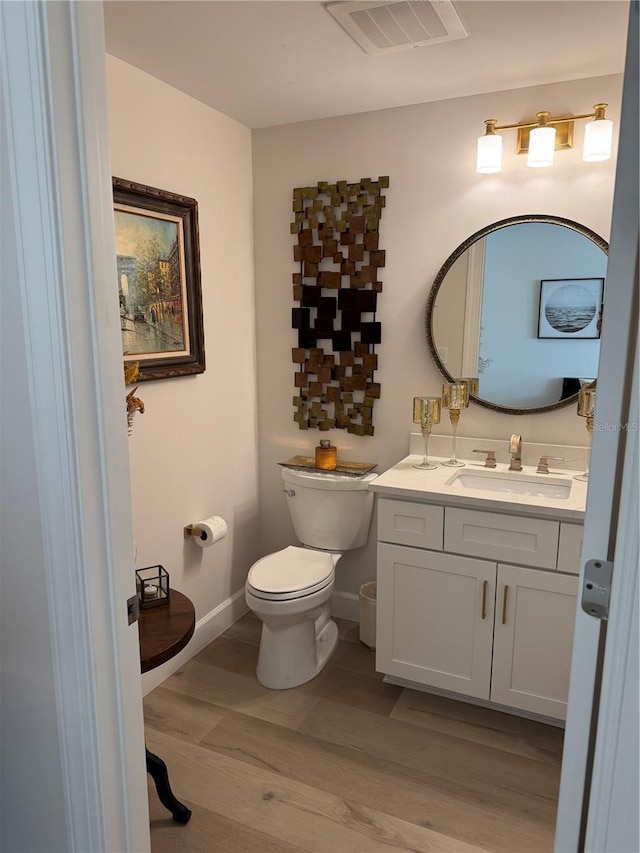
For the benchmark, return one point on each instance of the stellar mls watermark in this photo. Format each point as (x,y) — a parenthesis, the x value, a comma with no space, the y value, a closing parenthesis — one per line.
(619,427)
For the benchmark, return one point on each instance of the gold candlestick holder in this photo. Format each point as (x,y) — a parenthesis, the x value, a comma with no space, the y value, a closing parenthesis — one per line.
(586,409)
(474,385)
(426,412)
(455,397)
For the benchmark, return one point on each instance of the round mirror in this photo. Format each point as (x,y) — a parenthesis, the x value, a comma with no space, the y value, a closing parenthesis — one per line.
(518,305)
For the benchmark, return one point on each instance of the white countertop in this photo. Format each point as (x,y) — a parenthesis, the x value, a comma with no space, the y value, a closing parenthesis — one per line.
(405,481)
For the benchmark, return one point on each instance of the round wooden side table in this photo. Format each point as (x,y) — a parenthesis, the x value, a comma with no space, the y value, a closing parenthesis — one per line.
(164,631)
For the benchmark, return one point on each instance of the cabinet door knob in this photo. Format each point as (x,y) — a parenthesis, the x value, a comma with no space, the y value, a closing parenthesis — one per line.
(505,597)
(485,585)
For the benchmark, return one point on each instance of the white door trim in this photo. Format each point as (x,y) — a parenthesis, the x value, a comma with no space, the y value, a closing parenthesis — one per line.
(615,371)
(612,822)
(52,59)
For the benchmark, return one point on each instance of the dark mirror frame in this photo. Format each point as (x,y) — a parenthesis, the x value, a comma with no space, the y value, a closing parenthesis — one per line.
(439,279)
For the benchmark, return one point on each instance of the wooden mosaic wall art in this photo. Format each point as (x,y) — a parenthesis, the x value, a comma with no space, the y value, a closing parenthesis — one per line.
(335,292)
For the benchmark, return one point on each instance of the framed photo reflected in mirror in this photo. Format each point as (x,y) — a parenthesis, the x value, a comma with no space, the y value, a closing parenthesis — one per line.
(570,308)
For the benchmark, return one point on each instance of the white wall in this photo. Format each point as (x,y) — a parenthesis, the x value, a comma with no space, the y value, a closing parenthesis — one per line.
(524,370)
(193,451)
(435,201)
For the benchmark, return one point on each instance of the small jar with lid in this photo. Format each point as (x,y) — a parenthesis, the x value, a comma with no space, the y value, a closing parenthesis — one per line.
(326,455)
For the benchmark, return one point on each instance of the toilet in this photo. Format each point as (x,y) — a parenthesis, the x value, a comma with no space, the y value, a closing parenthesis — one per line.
(290,590)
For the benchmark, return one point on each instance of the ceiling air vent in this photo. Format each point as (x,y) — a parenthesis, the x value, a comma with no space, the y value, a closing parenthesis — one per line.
(384,27)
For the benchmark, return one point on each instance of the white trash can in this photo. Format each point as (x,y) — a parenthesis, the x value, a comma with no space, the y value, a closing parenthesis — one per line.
(368,594)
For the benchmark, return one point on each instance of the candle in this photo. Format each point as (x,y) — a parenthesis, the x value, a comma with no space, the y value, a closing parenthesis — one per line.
(426,410)
(587,402)
(474,384)
(455,395)
(586,409)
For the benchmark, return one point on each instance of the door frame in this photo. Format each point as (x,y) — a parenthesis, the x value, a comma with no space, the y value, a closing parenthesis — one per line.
(605,530)
(613,804)
(60,220)
(54,107)
(473,308)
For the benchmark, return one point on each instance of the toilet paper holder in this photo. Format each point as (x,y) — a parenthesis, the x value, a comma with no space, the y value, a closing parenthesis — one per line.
(192,530)
(207,532)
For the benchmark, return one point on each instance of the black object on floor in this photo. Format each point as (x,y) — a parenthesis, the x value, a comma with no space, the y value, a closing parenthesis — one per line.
(157,769)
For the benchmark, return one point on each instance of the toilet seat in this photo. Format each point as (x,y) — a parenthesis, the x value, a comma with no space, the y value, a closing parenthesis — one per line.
(291,573)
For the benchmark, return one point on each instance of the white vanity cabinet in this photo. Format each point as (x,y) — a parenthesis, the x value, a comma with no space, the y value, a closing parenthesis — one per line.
(533,638)
(435,618)
(459,616)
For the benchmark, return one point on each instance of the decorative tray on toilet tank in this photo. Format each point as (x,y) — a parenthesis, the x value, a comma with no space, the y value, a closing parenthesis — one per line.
(349,469)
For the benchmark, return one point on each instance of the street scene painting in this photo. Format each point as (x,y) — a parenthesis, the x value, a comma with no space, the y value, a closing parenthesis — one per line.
(158,273)
(570,308)
(149,256)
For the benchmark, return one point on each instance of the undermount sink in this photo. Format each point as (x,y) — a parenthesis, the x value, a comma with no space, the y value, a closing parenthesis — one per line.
(505,482)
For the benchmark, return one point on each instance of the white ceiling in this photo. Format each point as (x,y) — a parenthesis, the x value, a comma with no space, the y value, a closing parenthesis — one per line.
(270,62)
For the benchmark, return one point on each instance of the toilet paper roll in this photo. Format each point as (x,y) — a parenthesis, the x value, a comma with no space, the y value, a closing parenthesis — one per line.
(210,530)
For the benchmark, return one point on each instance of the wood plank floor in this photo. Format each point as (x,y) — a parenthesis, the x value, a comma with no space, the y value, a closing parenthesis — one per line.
(343,764)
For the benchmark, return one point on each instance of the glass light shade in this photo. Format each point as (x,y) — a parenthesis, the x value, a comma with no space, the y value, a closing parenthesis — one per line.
(542,142)
(598,135)
(489,157)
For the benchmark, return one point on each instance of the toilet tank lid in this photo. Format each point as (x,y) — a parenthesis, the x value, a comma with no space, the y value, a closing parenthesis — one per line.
(332,482)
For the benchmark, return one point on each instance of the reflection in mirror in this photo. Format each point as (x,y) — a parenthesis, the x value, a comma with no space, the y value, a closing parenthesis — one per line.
(485,316)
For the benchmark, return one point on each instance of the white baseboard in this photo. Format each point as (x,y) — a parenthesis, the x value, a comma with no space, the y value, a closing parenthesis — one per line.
(345,605)
(207,629)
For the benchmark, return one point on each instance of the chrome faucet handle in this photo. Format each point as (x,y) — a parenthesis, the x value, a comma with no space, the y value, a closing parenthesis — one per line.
(515,449)
(543,464)
(490,461)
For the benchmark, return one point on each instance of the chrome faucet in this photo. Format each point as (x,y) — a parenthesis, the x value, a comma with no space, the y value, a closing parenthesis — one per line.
(515,449)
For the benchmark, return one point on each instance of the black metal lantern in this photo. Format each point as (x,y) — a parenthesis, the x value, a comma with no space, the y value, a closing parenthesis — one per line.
(152,586)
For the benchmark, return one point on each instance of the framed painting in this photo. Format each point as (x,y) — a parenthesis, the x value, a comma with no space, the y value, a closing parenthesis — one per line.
(570,308)
(158,269)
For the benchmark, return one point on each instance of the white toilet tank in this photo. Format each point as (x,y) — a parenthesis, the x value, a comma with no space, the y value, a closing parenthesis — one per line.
(329,511)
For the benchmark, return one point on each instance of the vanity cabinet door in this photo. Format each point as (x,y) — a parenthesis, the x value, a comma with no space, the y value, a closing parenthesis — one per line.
(535,615)
(570,548)
(435,618)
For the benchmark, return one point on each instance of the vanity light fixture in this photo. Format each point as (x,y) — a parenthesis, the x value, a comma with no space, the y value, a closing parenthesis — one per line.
(598,135)
(542,142)
(542,137)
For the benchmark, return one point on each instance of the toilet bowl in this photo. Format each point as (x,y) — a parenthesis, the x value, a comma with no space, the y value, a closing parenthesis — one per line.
(290,590)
